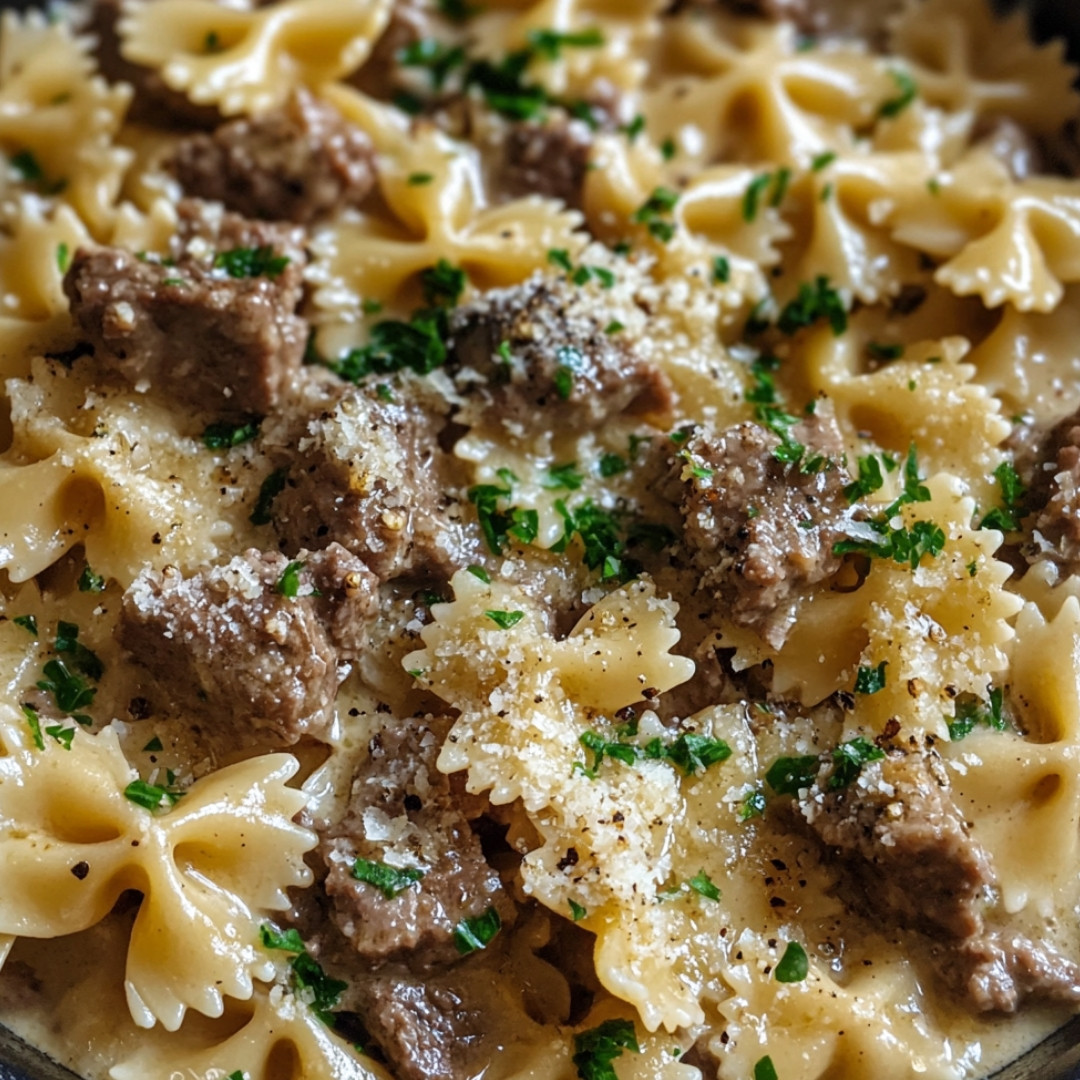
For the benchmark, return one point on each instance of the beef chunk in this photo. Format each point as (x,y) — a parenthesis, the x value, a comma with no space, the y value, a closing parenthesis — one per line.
(297,163)
(537,353)
(383,75)
(549,158)
(262,667)
(368,476)
(759,529)
(427,1030)
(900,832)
(404,812)
(997,972)
(154,102)
(197,334)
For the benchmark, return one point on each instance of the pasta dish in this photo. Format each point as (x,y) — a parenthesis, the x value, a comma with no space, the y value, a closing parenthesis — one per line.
(539,539)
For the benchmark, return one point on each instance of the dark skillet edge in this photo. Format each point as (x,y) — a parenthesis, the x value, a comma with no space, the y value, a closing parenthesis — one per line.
(1055,1058)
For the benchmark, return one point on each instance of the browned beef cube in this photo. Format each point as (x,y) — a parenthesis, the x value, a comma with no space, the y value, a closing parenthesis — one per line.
(549,159)
(230,644)
(405,813)
(369,476)
(214,327)
(297,163)
(760,529)
(903,837)
(536,355)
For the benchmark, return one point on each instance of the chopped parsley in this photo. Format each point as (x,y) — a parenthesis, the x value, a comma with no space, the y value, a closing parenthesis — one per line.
(502,525)
(794,965)
(34,723)
(878,351)
(457,10)
(153,746)
(471,935)
(692,753)
(702,884)
(443,284)
(596,1049)
(634,128)
(323,992)
(1006,518)
(599,747)
(150,796)
(251,262)
(480,573)
(91,582)
(752,806)
(67,641)
(564,476)
(612,465)
(224,435)
(871,680)
(584,274)
(869,479)
(815,302)
(971,712)
(764,1069)
(560,257)
(438,58)
(269,490)
(27,622)
(655,213)
(550,43)
(822,160)
(599,532)
(69,691)
(849,758)
(790,775)
(753,195)
(505,620)
(63,735)
(907,89)
(288,585)
(418,345)
(721,270)
(577,912)
(63,257)
(29,170)
(387,879)
(762,394)
(668,149)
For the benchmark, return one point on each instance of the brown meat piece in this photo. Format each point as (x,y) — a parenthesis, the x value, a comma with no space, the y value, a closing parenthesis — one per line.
(404,812)
(998,972)
(297,163)
(262,667)
(186,326)
(536,354)
(369,475)
(759,529)
(427,1030)
(382,75)
(154,102)
(901,834)
(549,159)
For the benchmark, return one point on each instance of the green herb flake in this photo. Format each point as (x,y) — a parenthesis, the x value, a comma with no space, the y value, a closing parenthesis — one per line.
(564,477)
(480,573)
(597,1049)
(270,489)
(251,262)
(387,879)
(878,351)
(752,197)
(457,10)
(419,179)
(471,935)
(28,623)
(504,620)
(692,753)
(224,435)
(443,284)
(794,965)
(288,585)
(560,257)
(634,128)
(668,149)
(1006,518)
(91,582)
(285,941)
(815,302)
(324,992)
(721,270)
(564,382)
(150,796)
(780,187)
(849,758)
(437,57)
(871,680)
(153,746)
(752,806)
(971,712)
(869,479)
(550,43)
(63,735)
(34,723)
(577,912)
(702,884)
(85,661)
(822,160)
(612,465)
(654,212)
(908,91)
(614,327)
(63,257)
(790,775)
(764,1069)
(69,691)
